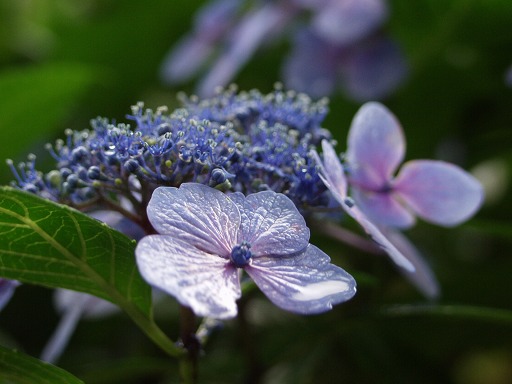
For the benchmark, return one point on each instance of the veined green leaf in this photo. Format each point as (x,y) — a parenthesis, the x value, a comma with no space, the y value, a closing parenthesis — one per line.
(16,367)
(56,246)
(53,245)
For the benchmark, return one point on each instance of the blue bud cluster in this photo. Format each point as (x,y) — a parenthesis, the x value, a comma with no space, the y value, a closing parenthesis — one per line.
(243,142)
(295,110)
(280,128)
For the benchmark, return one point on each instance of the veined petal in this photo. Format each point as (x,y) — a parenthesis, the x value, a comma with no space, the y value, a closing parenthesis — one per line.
(305,283)
(331,170)
(376,146)
(439,192)
(271,223)
(383,208)
(201,215)
(422,277)
(206,283)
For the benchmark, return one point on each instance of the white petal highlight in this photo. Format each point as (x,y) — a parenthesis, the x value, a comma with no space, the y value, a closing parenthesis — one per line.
(305,283)
(316,291)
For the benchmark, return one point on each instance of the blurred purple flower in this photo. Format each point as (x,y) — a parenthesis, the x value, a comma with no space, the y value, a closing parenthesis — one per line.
(370,69)
(508,76)
(74,306)
(207,238)
(340,42)
(439,192)
(7,288)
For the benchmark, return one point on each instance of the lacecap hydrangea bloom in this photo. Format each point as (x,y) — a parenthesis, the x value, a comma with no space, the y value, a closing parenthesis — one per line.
(249,142)
(238,141)
(335,45)
(207,238)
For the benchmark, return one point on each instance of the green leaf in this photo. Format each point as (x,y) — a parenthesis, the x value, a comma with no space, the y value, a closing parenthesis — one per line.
(56,246)
(53,245)
(16,367)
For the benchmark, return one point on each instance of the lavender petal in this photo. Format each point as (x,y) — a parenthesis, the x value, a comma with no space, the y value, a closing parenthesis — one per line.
(376,146)
(271,223)
(439,192)
(305,283)
(203,216)
(206,283)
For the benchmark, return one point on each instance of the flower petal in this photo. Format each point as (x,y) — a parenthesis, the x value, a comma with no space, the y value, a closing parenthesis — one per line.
(331,170)
(312,65)
(378,237)
(331,173)
(345,22)
(305,283)
(439,192)
(203,216)
(373,69)
(271,223)
(383,208)
(248,35)
(422,277)
(376,147)
(7,288)
(206,283)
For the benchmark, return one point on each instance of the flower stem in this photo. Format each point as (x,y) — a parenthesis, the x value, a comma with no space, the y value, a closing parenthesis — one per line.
(188,362)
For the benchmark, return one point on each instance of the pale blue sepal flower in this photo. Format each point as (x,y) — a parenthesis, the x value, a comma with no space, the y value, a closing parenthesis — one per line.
(7,288)
(207,237)
(438,192)
(333,176)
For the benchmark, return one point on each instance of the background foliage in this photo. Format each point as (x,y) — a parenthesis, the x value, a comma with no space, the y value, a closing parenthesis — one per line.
(62,63)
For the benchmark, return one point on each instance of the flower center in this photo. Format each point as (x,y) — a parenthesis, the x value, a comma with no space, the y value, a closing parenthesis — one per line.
(241,254)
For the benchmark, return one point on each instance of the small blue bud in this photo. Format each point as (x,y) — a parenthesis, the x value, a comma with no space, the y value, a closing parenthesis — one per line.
(94,173)
(131,165)
(241,254)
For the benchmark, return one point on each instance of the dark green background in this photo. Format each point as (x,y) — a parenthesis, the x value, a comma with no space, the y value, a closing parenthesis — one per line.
(63,63)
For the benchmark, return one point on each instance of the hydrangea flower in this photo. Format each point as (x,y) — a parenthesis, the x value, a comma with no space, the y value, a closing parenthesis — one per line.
(207,238)
(334,42)
(438,192)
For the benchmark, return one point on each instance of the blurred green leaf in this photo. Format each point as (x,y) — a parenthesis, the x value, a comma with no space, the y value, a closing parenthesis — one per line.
(450,311)
(56,246)
(16,367)
(34,100)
